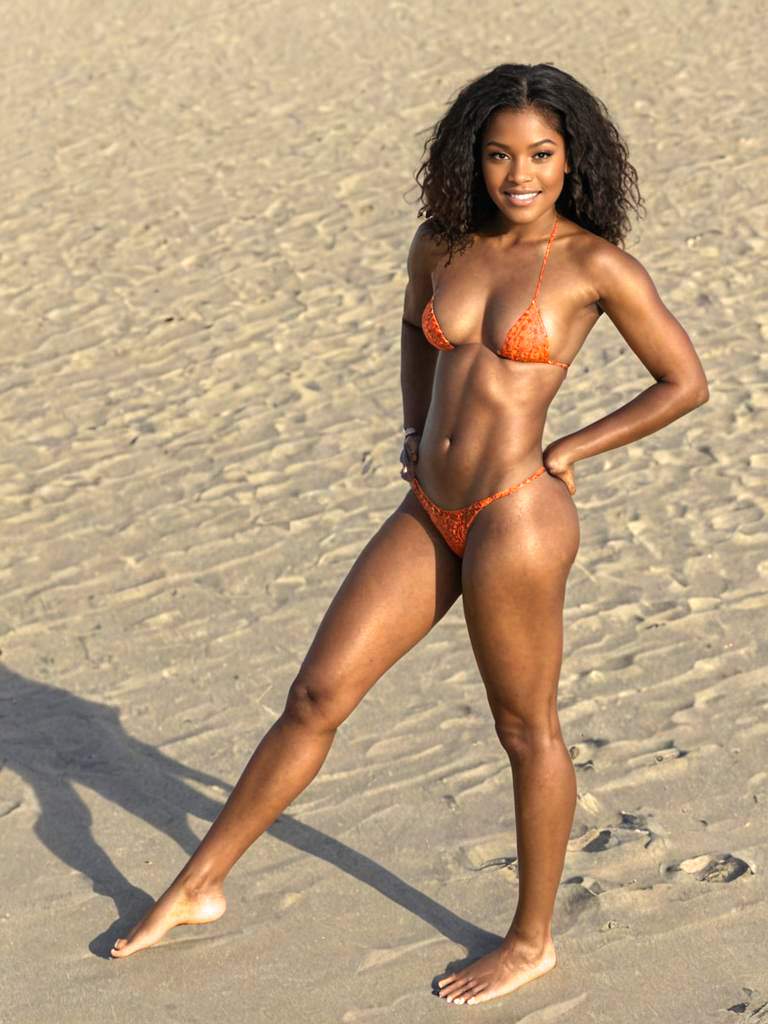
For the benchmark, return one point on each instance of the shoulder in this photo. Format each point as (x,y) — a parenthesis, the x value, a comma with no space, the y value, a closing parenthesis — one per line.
(424,256)
(426,250)
(610,270)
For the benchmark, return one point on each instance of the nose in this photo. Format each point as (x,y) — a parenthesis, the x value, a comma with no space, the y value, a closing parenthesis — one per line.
(518,172)
(518,175)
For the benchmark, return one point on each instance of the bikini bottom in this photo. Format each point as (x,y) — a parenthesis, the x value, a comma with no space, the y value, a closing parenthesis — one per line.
(454,523)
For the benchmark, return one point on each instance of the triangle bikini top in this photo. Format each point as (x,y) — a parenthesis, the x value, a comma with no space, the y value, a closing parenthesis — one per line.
(526,341)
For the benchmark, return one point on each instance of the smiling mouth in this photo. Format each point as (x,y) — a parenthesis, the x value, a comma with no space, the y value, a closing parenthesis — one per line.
(521,195)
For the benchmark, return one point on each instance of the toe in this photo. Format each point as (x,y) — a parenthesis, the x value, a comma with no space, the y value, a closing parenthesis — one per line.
(448,991)
(481,996)
(125,947)
(457,990)
(469,994)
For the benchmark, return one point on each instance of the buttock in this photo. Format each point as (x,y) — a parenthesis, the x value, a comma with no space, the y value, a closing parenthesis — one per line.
(539,524)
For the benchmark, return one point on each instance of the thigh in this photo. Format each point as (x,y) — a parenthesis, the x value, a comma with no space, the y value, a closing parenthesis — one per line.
(519,552)
(401,584)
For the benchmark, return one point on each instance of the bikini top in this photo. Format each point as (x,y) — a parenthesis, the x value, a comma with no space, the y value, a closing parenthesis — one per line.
(526,341)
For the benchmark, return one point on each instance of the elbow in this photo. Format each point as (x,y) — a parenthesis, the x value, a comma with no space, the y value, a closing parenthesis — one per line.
(692,394)
(700,393)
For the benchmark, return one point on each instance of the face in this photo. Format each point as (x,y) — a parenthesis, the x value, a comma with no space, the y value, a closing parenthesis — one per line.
(523,163)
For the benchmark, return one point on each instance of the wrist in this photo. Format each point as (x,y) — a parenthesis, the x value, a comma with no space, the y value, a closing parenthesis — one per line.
(560,452)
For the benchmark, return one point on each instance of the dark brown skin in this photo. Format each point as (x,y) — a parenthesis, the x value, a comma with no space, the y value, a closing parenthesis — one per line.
(480,421)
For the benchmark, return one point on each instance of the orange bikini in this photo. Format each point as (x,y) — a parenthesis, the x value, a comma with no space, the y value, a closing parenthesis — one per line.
(526,341)
(454,523)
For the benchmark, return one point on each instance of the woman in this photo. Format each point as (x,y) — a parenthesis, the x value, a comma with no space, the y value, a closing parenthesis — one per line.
(526,187)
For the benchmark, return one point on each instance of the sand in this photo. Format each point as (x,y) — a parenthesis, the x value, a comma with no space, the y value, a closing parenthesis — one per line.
(205,210)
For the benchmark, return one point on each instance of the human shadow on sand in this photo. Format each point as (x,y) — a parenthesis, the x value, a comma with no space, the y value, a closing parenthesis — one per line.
(56,741)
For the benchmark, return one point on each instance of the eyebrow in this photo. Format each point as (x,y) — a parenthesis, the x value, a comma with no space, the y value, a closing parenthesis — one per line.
(533,145)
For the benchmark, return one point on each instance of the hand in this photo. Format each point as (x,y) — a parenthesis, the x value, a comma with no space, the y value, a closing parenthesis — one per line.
(557,463)
(409,456)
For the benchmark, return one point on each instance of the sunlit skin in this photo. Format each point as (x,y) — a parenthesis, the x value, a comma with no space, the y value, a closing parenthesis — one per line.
(479,295)
(512,162)
(480,422)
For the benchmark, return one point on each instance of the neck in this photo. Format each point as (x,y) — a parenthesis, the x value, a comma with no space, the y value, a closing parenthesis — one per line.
(514,234)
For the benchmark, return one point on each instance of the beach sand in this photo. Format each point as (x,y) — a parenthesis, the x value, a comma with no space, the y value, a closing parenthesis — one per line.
(204,214)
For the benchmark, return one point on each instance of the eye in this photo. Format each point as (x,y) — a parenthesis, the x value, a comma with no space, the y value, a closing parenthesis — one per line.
(493,155)
(544,153)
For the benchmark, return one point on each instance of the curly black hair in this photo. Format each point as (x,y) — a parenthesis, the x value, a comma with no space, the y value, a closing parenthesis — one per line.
(600,190)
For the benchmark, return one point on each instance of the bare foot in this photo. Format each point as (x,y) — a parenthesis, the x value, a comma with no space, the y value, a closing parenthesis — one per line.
(178,905)
(507,968)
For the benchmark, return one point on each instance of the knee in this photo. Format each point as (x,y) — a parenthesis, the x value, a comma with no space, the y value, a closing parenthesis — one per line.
(524,737)
(312,705)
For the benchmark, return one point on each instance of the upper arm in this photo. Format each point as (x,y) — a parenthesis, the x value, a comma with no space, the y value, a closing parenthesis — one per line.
(627,294)
(422,257)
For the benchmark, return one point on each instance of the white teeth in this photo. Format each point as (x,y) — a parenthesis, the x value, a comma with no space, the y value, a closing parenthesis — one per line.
(522,195)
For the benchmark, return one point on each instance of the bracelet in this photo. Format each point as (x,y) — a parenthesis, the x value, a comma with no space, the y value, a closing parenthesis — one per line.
(410,430)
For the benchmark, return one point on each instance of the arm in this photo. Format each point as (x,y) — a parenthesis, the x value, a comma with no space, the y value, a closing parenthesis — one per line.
(627,294)
(417,356)
(417,368)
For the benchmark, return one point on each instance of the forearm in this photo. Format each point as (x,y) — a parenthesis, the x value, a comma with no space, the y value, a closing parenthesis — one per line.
(651,410)
(417,369)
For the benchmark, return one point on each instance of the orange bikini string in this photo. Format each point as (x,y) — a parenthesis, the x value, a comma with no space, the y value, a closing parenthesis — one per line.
(454,523)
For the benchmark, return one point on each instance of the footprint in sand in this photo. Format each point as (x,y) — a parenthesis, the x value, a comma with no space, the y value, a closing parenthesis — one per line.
(594,840)
(587,885)
(706,868)
(580,894)
(651,758)
(499,863)
(628,827)
(754,1006)
(582,752)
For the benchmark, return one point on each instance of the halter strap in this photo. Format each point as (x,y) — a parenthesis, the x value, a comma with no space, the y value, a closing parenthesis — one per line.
(552,234)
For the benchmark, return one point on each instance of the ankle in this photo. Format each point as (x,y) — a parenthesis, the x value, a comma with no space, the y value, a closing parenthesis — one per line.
(532,940)
(198,882)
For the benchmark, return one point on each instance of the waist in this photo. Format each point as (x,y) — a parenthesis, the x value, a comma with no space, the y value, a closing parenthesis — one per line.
(457,471)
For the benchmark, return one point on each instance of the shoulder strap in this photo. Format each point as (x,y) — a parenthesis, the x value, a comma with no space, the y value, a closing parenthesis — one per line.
(552,234)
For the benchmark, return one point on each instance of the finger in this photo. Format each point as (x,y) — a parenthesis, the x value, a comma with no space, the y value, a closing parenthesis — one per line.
(566,476)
